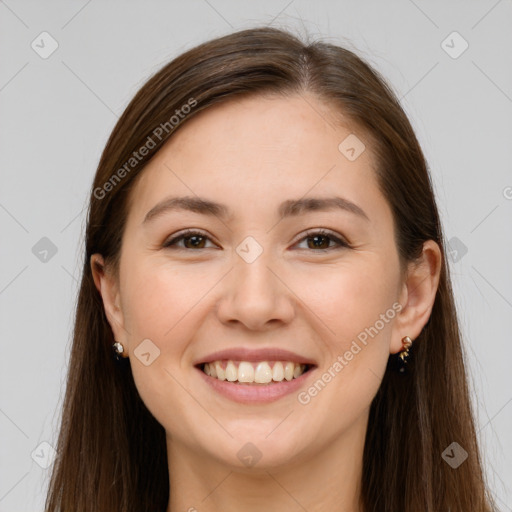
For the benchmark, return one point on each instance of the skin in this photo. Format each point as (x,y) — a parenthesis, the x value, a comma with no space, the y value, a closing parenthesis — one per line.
(251,154)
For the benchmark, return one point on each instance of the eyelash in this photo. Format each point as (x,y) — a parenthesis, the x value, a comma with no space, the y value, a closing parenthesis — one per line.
(310,234)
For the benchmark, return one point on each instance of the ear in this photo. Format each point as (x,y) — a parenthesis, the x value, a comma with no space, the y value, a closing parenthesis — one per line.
(108,287)
(417,295)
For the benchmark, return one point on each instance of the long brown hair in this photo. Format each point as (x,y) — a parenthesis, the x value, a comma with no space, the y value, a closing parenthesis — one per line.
(111,450)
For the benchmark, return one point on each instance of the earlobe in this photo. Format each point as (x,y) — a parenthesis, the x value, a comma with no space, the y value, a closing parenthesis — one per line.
(418,295)
(107,286)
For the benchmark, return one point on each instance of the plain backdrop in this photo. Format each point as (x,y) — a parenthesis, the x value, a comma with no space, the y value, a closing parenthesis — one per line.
(450,63)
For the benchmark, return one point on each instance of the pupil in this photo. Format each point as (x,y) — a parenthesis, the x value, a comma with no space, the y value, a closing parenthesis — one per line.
(196,238)
(316,238)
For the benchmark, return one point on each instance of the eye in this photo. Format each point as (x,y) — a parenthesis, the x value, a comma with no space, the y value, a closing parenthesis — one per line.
(192,240)
(320,240)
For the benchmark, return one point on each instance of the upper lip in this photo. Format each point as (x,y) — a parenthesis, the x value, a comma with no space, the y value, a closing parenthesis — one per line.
(254,355)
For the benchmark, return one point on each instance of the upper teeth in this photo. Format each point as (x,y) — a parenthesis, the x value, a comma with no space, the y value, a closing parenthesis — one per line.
(261,372)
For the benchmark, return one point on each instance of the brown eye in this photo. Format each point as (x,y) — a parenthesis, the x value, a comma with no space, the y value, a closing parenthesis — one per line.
(321,240)
(196,241)
(191,240)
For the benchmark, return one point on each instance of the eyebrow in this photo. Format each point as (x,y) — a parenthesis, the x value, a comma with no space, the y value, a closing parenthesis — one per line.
(289,208)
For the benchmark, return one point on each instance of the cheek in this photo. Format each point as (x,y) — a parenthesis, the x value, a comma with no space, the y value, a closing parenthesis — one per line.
(160,296)
(161,304)
(351,297)
(357,306)
(363,312)
(352,372)
(342,300)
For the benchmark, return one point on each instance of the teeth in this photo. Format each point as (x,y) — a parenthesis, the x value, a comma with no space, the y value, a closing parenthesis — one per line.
(263,374)
(246,372)
(260,373)
(288,371)
(278,372)
(231,372)
(221,374)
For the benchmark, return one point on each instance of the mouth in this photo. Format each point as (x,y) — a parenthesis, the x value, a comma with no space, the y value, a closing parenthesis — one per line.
(250,376)
(255,373)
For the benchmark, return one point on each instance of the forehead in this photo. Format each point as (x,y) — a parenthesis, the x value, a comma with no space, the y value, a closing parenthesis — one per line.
(258,150)
(270,124)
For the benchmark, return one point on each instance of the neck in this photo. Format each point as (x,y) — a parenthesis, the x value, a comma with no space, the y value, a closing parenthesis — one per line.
(328,480)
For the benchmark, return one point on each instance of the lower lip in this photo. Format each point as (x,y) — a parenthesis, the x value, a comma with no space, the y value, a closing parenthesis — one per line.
(255,393)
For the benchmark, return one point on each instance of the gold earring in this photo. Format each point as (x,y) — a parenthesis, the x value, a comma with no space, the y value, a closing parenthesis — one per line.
(404,353)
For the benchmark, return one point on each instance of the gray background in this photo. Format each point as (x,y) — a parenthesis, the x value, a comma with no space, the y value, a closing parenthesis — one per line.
(58,112)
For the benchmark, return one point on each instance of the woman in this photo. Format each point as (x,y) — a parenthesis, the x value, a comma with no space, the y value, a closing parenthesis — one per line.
(264,256)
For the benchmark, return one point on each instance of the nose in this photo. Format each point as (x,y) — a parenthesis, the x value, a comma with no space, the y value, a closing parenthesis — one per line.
(256,295)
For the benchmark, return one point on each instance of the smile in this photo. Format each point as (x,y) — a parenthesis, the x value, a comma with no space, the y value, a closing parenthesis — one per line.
(255,382)
(261,372)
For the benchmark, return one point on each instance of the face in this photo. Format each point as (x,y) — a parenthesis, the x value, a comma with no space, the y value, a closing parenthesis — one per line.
(263,280)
